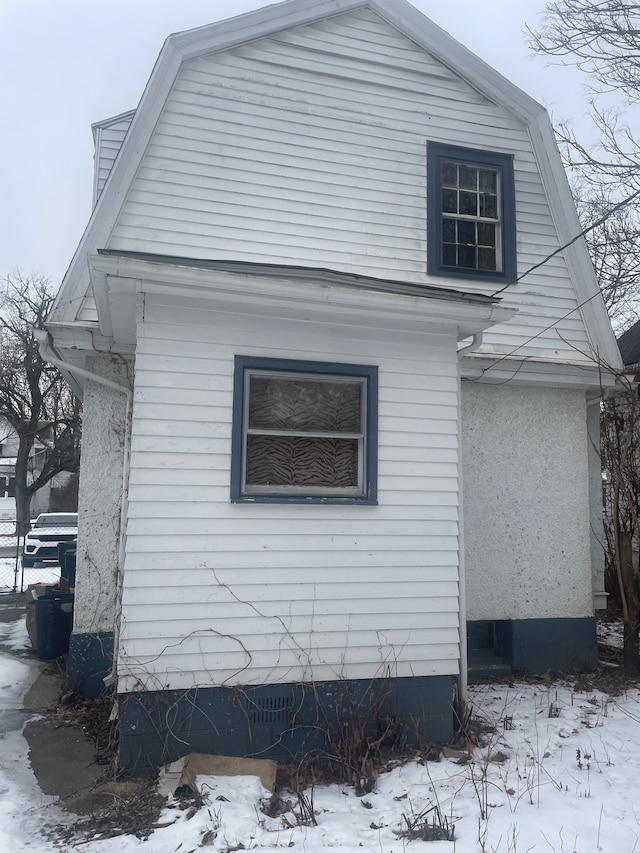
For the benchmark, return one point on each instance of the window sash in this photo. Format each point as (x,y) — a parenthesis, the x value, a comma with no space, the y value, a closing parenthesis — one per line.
(463,248)
(360,437)
(490,175)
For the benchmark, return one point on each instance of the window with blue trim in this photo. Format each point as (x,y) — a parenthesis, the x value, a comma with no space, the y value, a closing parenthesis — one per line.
(471,216)
(303,431)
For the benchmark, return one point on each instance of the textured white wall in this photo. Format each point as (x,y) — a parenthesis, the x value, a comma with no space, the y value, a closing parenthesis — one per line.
(100,493)
(526,502)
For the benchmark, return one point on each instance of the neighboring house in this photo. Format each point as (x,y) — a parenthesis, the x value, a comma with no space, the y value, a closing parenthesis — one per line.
(8,453)
(340,386)
(7,489)
(8,457)
(629,346)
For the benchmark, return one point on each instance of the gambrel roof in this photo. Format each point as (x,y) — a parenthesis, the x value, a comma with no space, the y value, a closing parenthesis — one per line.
(587,307)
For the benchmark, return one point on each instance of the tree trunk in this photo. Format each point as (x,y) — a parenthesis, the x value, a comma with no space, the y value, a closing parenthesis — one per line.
(631,659)
(631,648)
(23,493)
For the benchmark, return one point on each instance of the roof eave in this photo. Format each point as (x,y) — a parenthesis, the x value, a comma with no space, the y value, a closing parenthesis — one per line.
(117,282)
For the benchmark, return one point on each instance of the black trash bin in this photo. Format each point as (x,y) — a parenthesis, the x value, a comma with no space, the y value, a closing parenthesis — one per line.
(54,621)
(67,560)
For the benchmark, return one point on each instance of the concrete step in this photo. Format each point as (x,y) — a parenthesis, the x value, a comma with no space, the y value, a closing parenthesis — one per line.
(485,665)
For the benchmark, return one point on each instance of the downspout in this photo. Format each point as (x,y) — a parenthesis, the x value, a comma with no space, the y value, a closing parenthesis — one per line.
(462,582)
(45,345)
(476,342)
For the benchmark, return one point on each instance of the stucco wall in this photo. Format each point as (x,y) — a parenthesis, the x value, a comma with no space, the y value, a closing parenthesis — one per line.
(526,502)
(100,494)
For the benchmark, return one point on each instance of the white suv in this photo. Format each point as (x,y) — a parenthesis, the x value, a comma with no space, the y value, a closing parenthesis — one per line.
(47,532)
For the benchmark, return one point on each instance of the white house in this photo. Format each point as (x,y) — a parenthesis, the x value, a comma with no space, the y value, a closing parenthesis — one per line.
(339,353)
(8,457)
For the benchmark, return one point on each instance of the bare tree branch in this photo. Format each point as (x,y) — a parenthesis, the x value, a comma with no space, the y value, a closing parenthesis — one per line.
(602,38)
(613,245)
(34,399)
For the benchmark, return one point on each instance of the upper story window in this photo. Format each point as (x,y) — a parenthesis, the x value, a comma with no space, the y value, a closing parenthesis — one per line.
(470,213)
(303,431)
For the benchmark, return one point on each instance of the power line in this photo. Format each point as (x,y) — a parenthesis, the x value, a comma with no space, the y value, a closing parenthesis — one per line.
(545,260)
(538,334)
(573,240)
(626,201)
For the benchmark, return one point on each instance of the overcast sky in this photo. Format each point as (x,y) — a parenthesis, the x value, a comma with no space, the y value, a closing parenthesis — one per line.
(65,64)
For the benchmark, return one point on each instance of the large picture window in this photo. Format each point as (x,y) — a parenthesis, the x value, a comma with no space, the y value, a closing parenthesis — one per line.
(303,431)
(471,213)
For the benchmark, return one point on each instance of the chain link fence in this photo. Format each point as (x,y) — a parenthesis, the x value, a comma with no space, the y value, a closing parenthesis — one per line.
(13,578)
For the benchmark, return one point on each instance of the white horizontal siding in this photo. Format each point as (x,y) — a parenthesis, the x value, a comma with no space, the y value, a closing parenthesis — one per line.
(216,593)
(244,661)
(87,311)
(185,562)
(309,148)
(301,618)
(109,138)
(333,521)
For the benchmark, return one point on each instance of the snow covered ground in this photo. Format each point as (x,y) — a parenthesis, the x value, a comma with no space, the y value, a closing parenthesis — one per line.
(559,773)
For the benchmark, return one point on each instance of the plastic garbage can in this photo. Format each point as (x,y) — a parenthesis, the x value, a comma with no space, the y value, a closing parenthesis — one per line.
(54,621)
(67,560)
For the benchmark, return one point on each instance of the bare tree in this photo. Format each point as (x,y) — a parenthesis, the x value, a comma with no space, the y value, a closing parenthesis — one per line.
(613,239)
(34,398)
(602,38)
(620,453)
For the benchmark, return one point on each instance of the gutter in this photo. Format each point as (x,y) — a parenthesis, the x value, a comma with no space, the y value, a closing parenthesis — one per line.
(302,273)
(45,345)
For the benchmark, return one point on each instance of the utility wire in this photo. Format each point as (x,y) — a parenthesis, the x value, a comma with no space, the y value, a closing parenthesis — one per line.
(537,335)
(610,212)
(545,260)
(536,266)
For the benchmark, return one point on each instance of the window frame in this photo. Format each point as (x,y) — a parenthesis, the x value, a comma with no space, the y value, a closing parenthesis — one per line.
(437,153)
(247,366)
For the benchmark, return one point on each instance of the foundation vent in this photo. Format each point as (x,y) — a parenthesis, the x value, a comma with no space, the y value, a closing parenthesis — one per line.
(277,708)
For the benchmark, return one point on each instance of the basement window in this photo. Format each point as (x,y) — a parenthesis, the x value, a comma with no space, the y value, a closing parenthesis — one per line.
(303,432)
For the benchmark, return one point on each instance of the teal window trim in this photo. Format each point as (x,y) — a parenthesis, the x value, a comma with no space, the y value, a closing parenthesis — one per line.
(439,154)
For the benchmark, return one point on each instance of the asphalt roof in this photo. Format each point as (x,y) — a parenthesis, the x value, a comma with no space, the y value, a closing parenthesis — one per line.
(629,345)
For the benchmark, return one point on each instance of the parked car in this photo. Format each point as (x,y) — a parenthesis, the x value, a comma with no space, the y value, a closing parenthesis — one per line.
(47,532)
